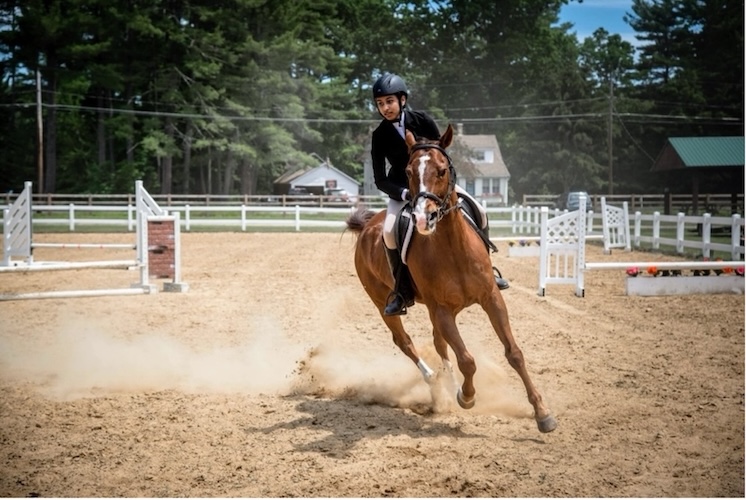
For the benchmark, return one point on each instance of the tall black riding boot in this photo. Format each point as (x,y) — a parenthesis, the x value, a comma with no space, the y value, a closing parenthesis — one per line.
(403,294)
(501,282)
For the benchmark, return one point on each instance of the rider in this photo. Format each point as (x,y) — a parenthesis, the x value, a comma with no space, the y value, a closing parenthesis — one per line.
(390,95)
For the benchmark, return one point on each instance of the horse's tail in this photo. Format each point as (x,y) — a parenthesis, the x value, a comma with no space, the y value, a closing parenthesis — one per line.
(357,220)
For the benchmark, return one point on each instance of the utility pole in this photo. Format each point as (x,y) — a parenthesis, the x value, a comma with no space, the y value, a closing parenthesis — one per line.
(40,136)
(610,135)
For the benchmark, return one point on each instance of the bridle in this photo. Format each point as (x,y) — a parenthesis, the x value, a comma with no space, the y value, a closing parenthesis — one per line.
(443,208)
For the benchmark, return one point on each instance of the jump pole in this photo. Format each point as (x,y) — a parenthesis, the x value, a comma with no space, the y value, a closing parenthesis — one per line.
(124,246)
(66,266)
(66,294)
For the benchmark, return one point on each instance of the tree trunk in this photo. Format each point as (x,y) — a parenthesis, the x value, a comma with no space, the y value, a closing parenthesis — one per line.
(111,143)
(204,175)
(248,178)
(101,130)
(166,169)
(130,129)
(230,169)
(168,160)
(187,155)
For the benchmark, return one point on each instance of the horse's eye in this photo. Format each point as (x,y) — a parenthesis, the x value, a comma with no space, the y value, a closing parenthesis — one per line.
(441,172)
(409,173)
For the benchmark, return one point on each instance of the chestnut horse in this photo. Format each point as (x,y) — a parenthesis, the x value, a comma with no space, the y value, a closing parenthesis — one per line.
(450,268)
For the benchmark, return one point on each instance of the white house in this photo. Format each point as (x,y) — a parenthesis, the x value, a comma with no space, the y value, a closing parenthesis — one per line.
(315,180)
(490,181)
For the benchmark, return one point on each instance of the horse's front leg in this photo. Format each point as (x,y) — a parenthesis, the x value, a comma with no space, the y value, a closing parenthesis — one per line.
(498,314)
(404,342)
(444,323)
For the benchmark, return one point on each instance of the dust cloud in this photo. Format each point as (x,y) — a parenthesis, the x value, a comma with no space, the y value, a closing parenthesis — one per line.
(393,380)
(81,359)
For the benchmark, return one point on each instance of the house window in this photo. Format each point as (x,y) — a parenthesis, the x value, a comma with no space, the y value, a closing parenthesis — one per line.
(470,187)
(479,155)
(490,186)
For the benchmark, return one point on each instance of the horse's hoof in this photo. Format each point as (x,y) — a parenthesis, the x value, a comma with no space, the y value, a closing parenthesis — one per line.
(466,405)
(547,424)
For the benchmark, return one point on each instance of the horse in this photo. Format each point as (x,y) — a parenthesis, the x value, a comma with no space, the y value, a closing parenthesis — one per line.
(450,270)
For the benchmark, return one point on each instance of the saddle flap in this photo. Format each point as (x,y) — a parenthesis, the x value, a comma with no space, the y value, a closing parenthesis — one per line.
(403,230)
(473,216)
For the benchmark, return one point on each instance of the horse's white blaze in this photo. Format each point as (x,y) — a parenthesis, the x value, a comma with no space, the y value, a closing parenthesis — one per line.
(423,164)
(419,209)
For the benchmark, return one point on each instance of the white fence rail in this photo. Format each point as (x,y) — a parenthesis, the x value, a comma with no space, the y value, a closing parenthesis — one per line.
(677,232)
(701,225)
(516,220)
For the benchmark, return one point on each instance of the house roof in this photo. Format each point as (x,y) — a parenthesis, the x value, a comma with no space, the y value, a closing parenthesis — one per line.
(701,152)
(315,176)
(288,177)
(497,167)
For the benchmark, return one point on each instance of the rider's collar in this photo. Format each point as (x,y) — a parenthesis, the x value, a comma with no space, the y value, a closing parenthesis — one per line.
(399,126)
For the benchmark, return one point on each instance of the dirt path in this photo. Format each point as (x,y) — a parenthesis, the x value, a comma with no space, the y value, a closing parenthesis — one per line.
(274,376)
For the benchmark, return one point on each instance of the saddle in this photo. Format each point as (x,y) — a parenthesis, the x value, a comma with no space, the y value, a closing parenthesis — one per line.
(404,227)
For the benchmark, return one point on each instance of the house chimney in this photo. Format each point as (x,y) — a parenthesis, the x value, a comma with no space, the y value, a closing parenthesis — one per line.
(459,129)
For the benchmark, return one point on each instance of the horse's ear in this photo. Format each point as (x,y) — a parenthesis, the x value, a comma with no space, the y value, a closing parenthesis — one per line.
(447,137)
(409,138)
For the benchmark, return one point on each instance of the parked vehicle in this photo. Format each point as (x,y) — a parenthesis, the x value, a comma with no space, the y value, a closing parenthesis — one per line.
(570,200)
(298,194)
(340,195)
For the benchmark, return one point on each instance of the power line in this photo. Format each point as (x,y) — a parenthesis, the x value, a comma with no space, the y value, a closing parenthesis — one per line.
(631,138)
(630,117)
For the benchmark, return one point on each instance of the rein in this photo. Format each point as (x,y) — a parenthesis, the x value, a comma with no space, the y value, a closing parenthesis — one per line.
(443,209)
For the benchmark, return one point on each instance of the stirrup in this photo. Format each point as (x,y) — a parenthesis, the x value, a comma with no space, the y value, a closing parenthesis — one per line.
(501,282)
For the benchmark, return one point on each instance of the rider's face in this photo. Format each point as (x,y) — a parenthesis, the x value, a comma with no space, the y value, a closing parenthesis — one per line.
(388,106)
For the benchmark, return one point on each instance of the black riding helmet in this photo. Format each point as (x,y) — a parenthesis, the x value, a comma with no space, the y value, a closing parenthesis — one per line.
(391,84)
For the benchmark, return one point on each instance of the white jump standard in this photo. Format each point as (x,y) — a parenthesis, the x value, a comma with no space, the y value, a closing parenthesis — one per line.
(562,259)
(157,247)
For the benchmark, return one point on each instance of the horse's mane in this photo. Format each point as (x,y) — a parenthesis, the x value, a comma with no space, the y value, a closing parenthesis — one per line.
(424,140)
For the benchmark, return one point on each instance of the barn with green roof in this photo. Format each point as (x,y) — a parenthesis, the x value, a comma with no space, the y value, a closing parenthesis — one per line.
(697,157)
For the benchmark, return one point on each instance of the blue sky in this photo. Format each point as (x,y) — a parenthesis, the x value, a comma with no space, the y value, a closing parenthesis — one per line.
(590,15)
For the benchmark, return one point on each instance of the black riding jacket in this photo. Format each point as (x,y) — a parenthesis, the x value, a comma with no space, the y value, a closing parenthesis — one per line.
(389,145)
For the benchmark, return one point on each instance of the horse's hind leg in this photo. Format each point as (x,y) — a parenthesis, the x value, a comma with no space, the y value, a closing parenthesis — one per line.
(498,314)
(441,347)
(444,323)
(442,392)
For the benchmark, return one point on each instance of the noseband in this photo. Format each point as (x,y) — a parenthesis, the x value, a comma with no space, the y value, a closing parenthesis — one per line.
(442,204)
